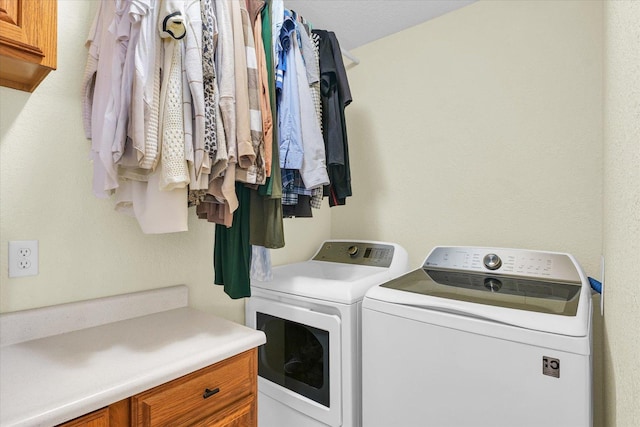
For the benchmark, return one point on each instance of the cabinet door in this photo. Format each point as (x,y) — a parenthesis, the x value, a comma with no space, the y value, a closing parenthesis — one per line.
(203,396)
(28,42)
(99,418)
(242,414)
(115,415)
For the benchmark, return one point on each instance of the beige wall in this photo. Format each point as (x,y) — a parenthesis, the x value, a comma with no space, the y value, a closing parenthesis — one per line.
(483,127)
(86,249)
(622,212)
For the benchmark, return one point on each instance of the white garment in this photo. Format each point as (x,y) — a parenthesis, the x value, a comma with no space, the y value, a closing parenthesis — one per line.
(157,211)
(225,66)
(277,17)
(171,26)
(175,173)
(261,264)
(187,119)
(104,86)
(192,64)
(143,121)
(127,35)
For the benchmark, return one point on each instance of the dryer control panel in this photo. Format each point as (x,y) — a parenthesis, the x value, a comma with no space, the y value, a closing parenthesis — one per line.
(497,261)
(356,252)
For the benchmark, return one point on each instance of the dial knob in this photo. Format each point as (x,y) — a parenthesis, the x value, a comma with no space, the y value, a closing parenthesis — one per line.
(492,284)
(492,261)
(352,250)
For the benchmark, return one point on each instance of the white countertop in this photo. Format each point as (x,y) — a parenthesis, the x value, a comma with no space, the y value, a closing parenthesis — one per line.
(50,380)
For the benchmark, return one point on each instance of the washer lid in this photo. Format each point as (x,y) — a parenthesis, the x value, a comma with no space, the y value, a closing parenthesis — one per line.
(552,307)
(543,291)
(493,290)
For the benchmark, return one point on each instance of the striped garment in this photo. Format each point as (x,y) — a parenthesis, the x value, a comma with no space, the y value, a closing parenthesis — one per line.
(256,173)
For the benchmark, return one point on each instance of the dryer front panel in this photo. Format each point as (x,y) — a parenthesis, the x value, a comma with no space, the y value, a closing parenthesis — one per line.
(300,364)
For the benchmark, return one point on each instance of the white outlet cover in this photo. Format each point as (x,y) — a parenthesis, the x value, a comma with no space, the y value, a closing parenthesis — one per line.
(19,264)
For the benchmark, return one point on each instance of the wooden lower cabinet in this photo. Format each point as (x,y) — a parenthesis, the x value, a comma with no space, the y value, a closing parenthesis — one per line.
(217,392)
(220,395)
(116,414)
(99,418)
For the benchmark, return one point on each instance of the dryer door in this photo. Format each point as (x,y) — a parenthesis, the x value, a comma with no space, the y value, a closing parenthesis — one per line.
(299,365)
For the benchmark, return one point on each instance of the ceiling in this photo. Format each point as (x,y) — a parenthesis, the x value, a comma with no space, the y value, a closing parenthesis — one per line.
(358,22)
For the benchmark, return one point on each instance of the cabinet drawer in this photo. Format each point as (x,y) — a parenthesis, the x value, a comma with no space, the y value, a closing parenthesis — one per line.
(198,395)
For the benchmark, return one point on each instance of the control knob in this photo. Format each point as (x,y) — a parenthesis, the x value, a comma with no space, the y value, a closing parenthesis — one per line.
(492,284)
(352,250)
(492,261)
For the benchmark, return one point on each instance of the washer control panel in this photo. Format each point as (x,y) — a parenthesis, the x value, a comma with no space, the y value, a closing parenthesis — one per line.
(353,252)
(511,262)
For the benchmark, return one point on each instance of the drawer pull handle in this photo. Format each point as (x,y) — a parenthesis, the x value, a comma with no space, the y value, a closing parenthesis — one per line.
(208,392)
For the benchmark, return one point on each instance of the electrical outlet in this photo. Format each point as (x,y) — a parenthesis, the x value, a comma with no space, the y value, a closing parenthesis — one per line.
(24,252)
(23,258)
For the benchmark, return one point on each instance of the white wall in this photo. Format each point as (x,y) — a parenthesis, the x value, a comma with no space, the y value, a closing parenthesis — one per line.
(622,212)
(86,249)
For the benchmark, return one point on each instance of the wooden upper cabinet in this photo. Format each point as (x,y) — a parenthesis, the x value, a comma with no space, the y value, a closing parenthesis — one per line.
(28,42)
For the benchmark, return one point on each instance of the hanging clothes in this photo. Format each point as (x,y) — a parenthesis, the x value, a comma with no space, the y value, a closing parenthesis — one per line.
(218,105)
(102,89)
(267,227)
(139,193)
(252,170)
(200,164)
(232,250)
(314,169)
(336,95)
(145,100)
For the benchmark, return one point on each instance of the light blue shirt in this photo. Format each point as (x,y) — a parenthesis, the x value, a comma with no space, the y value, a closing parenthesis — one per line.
(290,130)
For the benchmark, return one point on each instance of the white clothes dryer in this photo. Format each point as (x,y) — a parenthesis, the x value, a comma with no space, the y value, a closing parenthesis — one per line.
(480,337)
(309,371)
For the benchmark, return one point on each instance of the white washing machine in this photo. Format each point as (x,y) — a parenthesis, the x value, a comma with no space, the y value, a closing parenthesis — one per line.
(480,337)
(309,371)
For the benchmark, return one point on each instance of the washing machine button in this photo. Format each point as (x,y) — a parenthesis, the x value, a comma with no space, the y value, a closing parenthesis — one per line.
(353,250)
(492,261)
(492,284)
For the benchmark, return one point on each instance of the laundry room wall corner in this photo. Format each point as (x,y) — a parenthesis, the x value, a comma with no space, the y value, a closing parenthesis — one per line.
(622,212)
